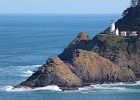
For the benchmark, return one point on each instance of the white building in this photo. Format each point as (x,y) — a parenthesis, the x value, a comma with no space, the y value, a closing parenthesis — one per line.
(112,27)
(113,31)
(117,31)
(123,33)
(134,33)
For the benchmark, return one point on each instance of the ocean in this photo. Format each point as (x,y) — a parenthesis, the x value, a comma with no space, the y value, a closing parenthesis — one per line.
(27,41)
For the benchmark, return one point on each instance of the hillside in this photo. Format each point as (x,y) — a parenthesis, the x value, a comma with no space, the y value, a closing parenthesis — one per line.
(121,50)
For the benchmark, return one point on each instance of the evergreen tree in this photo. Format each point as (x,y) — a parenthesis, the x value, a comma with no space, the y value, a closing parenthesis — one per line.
(125,11)
(134,3)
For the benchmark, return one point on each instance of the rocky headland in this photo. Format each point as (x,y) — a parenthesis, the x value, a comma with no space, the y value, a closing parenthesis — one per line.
(104,59)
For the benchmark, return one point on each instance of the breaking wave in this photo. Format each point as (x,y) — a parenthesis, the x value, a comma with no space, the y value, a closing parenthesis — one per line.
(118,87)
(24,71)
(50,88)
(11,88)
(27,73)
(29,66)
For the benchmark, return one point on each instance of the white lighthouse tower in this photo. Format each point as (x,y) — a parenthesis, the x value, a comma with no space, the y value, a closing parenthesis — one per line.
(113,31)
(112,27)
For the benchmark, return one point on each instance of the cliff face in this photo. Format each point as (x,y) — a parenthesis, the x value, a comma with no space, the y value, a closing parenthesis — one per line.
(92,68)
(122,51)
(56,72)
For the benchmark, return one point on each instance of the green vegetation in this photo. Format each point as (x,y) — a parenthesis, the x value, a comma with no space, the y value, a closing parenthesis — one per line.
(113,40)
(134,3)
(88,54)
(85,54)
(125,71)
(130,20)
(103,36)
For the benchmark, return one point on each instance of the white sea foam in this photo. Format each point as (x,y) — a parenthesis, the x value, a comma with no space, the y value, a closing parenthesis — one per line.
(29,66)
(138,82)
(86,88)
(26,67)
(118,84)
(117,87)
(10,88)
(108,87)
(27,73)
(50,88)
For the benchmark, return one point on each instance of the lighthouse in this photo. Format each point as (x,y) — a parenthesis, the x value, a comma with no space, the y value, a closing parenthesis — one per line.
(113,31)
(112,27)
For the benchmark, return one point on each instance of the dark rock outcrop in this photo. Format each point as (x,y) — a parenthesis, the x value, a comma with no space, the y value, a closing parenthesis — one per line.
(78,43)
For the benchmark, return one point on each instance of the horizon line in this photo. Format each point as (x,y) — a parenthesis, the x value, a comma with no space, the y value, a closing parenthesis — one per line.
(57,14)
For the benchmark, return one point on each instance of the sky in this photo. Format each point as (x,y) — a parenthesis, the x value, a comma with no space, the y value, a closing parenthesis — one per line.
(63,6)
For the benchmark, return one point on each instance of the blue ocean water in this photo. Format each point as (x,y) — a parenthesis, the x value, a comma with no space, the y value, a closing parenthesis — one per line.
(27,41)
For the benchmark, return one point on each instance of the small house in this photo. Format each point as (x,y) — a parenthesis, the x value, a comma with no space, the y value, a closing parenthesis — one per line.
(123,33)
(117,32)
(134,33)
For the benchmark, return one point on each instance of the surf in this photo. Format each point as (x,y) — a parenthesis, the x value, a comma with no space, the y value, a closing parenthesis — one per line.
(23,89)
(117,87)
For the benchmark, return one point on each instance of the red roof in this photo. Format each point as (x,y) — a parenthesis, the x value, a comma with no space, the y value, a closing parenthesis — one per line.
(123,32)
(134,32)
